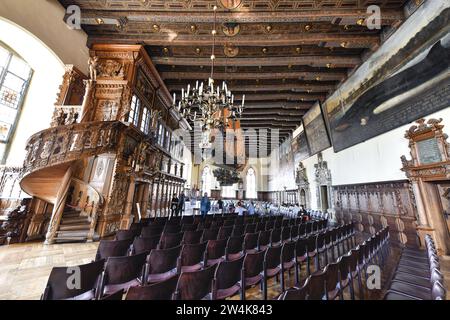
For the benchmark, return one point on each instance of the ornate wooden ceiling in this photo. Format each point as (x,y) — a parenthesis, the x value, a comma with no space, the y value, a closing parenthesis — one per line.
(282,54)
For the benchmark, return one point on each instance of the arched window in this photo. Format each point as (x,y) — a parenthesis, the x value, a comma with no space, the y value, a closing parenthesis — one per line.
(14,78)
(206,181)
(251,184)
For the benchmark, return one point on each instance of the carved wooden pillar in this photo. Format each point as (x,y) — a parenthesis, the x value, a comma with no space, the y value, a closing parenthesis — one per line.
(146,199)
(126,218)
(58,207)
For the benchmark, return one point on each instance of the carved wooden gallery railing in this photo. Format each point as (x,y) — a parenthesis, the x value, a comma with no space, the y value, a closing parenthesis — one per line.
(64,144)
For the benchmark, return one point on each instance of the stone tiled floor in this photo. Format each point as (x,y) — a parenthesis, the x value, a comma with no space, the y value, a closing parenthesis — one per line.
(24,269)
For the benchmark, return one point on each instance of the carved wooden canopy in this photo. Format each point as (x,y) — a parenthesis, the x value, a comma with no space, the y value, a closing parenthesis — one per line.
(284,55)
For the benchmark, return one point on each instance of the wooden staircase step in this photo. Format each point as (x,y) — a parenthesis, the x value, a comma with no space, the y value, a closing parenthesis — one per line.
(79,220)
(72,227)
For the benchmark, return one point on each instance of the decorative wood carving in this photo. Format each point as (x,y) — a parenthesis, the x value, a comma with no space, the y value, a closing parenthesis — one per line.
(323,179)
(304,193)
(429,164)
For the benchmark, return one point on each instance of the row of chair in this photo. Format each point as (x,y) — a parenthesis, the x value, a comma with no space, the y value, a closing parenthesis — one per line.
(418,276)
(164,264)
(331,282)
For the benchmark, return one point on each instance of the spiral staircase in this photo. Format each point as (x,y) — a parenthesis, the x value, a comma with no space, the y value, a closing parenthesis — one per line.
(48,171)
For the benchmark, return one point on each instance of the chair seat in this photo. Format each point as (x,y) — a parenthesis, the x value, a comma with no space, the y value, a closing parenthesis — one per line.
(392,295)
(251,281)
(194,267)
(414,264)
(113,288)
(411,290)
(288,265)
(425,273)
(229,292)
(234,256)
(88,295)
(273,272)
(158,277)
(211,262)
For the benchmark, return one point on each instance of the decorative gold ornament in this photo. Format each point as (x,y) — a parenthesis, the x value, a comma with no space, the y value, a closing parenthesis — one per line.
(231,29)
(230,4)
(230,51)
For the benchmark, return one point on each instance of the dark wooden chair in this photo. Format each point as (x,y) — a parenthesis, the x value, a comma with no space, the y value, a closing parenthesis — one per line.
(187,220)
(356,272)
(170,240)
(317,289)
(151,231)
(192,237)
(264,239)
(270,225)
(345,277)
(215,251)
(210,234)
(238,230)
(122,273)
(172,228)
(225,232)
(118,295)
(228,223)
(294,232)
(272,266)
(188,227)
(86,289)
(141,244)
(321,250)
(196,285)
(275,237)
(112,248)
(302,230)
(332,283)
(253,270)
(296,293)
(228,279)
(301,252)
(285,223)
(309,228)
(126,234)
(251,242)
(235,248)
(311,245)
(163,290)
(286,234)
(161,264)
(288,262)
(260,226)
(250,228)
(192,257)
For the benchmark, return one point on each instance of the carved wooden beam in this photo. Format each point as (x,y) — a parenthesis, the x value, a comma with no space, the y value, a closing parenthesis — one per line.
(281,96)
(158,39)
(278,105)
(344,16)
(319,76)
(270,87)
(314,61)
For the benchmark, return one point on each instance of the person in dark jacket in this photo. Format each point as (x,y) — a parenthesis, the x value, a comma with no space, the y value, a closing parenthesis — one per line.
(205,205)
(174,206)
(181,202)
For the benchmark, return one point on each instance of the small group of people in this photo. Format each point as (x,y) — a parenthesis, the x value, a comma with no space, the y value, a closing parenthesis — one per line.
(177,204)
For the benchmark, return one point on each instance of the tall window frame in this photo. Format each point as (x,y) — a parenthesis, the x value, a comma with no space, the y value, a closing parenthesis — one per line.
(15,78)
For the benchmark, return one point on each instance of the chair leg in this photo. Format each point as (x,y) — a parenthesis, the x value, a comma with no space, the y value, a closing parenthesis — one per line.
(360,286)
(282,279)
(265,288)
(352,290)
(308,267)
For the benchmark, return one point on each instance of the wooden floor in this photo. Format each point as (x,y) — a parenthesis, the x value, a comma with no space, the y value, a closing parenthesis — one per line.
(24,269)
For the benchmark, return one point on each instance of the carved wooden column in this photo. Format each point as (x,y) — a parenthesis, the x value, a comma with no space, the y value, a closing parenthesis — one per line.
(126,218)
(145,200)
(430,163)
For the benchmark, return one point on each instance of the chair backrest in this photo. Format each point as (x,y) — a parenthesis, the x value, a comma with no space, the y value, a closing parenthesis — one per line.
(235,245)
(192,237)
(195,285)
(57,288)
(215,249)
(250,228)
(159,291)
(311,243)
(285,233)
(172,228)
(225,232)
(344,266)
(272,258)
(251,241)
(189,227)
(228,274)
(285,223)
(254,264)
(260,226)
(118,295)
(163,260)
(288,251)
(294,232)
(126,234)
(112,248)
(296,293)
(210,234)
(264,238)
(238,230)
(301,247)
(121,270)
(228,223)
(275,235)
(170,240)
(152,230)
(187,220)
(438,291)
(141,244)
(270,225)
(192,254)
(320,240)
(316,286)
(332,282)
(309,227)
(302,229)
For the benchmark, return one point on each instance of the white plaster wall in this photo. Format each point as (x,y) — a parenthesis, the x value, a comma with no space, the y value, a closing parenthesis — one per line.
(44,19)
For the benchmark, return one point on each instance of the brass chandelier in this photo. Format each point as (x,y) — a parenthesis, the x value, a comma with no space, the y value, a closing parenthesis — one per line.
(205,105)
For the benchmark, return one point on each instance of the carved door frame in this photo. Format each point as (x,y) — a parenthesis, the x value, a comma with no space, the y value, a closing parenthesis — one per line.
(323,179)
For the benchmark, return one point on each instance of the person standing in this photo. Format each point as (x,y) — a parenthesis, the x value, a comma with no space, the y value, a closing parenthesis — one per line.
(239,209)
(205,205)
(220,204)
(174,205)
(181,203)
(251,208)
